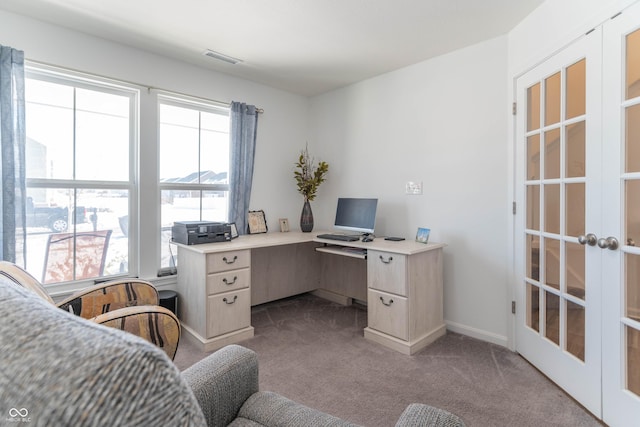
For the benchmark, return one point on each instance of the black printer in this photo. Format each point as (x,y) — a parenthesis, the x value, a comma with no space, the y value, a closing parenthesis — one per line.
(197,232)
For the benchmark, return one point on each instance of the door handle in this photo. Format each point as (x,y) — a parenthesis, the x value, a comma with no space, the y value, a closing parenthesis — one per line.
(608,243)
(590,239)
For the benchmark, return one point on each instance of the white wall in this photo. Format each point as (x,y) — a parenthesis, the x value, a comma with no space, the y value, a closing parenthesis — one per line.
(282,129)
(442,122)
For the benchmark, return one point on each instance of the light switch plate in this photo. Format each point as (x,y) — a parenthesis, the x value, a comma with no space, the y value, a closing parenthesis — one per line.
(413,187)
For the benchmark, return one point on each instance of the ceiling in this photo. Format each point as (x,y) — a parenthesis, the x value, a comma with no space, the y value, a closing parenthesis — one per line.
(306,47)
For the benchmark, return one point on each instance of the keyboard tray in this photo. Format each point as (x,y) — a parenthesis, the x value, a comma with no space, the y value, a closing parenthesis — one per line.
(341,237)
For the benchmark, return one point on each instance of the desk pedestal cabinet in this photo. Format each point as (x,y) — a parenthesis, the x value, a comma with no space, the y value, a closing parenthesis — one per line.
(217,304)
(403,285)
(404,299)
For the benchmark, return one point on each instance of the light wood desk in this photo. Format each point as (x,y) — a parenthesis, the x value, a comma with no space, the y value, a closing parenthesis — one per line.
(401,283)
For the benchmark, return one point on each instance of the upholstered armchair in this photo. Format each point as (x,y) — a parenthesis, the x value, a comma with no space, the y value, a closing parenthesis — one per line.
(127,304)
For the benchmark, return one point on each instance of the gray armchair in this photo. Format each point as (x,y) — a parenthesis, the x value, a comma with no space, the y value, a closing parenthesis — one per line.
(57,369)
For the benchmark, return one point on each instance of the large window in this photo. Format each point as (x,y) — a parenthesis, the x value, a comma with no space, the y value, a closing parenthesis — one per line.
(81,135)
(194,166)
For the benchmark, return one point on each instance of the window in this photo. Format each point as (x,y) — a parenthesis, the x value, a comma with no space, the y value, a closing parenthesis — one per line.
(194,166)
(81,134)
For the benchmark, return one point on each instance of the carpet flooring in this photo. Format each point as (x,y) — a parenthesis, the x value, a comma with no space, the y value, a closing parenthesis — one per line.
(313,351)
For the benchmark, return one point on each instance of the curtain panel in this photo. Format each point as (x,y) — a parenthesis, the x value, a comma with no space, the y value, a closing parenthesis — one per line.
(12,155)
(244,127)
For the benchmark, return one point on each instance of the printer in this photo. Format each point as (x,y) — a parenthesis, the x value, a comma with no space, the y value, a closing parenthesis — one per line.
(197,232)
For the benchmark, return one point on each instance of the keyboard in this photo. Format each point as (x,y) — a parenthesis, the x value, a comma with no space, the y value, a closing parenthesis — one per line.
(341,237)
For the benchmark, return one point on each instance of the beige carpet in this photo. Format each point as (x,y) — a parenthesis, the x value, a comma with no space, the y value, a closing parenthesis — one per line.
(313,351)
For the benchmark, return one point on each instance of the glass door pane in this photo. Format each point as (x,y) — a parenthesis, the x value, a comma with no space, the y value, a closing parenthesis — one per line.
(575,329)
(632,61)
(552,99)
(633,360)
(576,95)
(632,138)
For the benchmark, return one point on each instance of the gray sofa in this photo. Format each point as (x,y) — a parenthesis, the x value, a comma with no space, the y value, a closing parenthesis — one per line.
(57,369)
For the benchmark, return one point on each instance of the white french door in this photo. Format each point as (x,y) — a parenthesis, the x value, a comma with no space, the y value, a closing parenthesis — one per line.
(558,152)
(577,234)
(621,219)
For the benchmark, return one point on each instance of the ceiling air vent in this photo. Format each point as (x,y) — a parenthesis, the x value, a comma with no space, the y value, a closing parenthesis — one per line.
(221,57)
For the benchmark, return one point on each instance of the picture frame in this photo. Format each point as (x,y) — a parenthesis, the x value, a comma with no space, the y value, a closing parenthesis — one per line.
(284,225)
(257,222)
(422,235)
(234,230)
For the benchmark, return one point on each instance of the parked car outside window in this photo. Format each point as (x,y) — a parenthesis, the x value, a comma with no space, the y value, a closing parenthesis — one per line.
(55,218)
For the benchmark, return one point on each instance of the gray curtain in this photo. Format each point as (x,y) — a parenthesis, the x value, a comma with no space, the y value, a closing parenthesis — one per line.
(244,126)
(12,155)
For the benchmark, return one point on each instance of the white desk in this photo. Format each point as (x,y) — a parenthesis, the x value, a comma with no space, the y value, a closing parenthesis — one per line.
(400,281)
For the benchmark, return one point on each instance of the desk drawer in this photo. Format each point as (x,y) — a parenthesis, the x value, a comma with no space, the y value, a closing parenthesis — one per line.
(228,281)
(224,261)
(387,272)
(388,314)
(228,312)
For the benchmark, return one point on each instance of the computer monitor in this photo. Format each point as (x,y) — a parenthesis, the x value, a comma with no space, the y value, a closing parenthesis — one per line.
(356,214)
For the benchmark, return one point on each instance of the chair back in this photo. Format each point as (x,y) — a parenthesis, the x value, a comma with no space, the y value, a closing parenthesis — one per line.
(108,296)
(75,256)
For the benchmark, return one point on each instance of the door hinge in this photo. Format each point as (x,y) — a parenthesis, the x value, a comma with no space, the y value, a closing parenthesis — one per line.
(514,108)
(513,307)
(513,208)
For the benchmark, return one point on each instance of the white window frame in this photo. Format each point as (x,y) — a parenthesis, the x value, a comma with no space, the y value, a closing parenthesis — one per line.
(87,81)
(200,105)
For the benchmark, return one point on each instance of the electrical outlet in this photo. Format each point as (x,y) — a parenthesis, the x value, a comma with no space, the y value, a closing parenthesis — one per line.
(413,187)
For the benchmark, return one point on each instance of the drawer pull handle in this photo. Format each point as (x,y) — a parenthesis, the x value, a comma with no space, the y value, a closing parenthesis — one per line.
(388,304)
(387,261)
(235,297)
(235,257)
(226,282)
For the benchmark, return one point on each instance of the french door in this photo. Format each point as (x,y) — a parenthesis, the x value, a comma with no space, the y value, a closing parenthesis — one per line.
(621,267)
(559,154)
(578,222)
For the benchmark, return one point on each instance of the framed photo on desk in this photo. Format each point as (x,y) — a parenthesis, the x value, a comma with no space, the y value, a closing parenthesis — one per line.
(422,235)
(257,222)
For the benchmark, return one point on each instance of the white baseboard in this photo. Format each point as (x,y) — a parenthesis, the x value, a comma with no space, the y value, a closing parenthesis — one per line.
(218,342)
(477,333)
(402,346)
(332,296)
